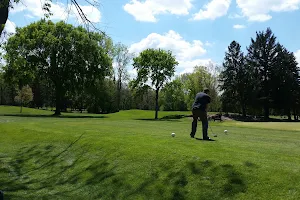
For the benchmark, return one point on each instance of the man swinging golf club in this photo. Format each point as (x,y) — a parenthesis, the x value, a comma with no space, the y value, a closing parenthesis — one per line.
(199,110)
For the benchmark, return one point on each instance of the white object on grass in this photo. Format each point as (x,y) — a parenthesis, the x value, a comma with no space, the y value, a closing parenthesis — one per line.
(173,134)
(225,131)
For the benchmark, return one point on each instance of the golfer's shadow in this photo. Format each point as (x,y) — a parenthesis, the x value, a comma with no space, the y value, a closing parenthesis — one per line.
(211,140)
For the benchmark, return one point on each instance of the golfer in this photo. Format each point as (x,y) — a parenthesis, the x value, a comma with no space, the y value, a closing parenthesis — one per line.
(199,110)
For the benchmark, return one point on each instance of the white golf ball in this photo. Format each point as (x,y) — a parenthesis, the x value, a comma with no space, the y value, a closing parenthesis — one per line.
(173,134)
(225,131)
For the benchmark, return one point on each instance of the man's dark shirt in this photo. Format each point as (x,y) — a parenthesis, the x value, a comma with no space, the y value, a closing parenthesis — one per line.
(201,100)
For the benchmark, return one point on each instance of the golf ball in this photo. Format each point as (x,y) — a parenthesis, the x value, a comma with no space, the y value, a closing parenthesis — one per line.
(173,134)
(225,131)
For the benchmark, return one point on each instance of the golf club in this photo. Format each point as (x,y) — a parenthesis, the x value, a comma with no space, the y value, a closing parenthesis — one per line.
(215,135)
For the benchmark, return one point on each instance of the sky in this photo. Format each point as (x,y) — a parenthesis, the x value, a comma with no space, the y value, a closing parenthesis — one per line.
(197,31)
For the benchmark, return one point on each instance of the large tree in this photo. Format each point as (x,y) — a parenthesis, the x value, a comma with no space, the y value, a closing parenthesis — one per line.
(262,57)
(122,57)
(285,81)
(158,65)
(236,77)
(60,53)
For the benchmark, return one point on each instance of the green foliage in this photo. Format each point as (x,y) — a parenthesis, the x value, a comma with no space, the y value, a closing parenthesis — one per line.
(157,65)
(236,79)
(51,51)
(122,57)
(268,79)
(172,96)
(262,57)
(101,97)
(285,81)
(24,96)
(143,97)
(196,82)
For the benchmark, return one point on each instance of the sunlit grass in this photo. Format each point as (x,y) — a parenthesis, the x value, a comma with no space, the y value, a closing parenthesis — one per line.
(127,155)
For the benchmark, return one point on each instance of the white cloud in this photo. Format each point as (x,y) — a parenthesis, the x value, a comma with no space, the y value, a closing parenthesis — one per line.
(29,16)
(235,16)
(297,55)
(239,26)
(170,41)
(148,10)
(59,10)
(187,53)
(10,27)
(213,10)
(209,44)
(256,10)
(188,66)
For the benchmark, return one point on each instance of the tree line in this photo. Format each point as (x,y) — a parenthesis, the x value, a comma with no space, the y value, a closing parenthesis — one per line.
(59,66)
(262,81)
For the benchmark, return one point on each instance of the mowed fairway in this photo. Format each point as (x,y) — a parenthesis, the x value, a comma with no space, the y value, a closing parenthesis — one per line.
(127,155)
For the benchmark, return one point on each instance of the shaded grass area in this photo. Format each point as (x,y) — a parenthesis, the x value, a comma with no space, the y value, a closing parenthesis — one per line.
(249,118)
(73,175)
(118,157)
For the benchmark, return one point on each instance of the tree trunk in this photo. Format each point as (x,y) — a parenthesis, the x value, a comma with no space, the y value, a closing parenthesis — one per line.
(244,110)
(81,104)
(119,93)
(288,112)
(21,108)
(266,110)
(1,95)
(57,101)
(3,14)
(156,104)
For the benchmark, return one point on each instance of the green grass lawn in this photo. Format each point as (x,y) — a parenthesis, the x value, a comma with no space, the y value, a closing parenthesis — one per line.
(127,155)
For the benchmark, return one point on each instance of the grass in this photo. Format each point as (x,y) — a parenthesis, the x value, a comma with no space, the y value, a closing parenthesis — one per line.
(127,155)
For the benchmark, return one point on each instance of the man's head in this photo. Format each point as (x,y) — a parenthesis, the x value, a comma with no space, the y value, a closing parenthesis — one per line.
(206,90)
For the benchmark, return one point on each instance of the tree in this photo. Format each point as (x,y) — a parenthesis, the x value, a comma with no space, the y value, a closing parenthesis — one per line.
(122,58)
(143,97)
(172,96)
(101,96)
(262,57)
(24,96)
(2,88)
(60,53)
(157,65)
(235,77)
(285,81)
(196,82)
(4,9)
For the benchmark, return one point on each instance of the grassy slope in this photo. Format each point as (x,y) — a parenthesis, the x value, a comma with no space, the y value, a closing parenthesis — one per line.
(123,157)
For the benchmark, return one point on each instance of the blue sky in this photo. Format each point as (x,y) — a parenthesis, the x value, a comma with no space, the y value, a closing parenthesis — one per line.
(197,31)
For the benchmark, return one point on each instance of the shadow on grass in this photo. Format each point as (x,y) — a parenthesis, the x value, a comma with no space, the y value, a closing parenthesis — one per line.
(210,140)
(51,172)
(249,118)
(52,116)
(166,118)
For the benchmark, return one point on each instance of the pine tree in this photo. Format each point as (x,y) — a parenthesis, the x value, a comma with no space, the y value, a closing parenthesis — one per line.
(235,77)
(262,57)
